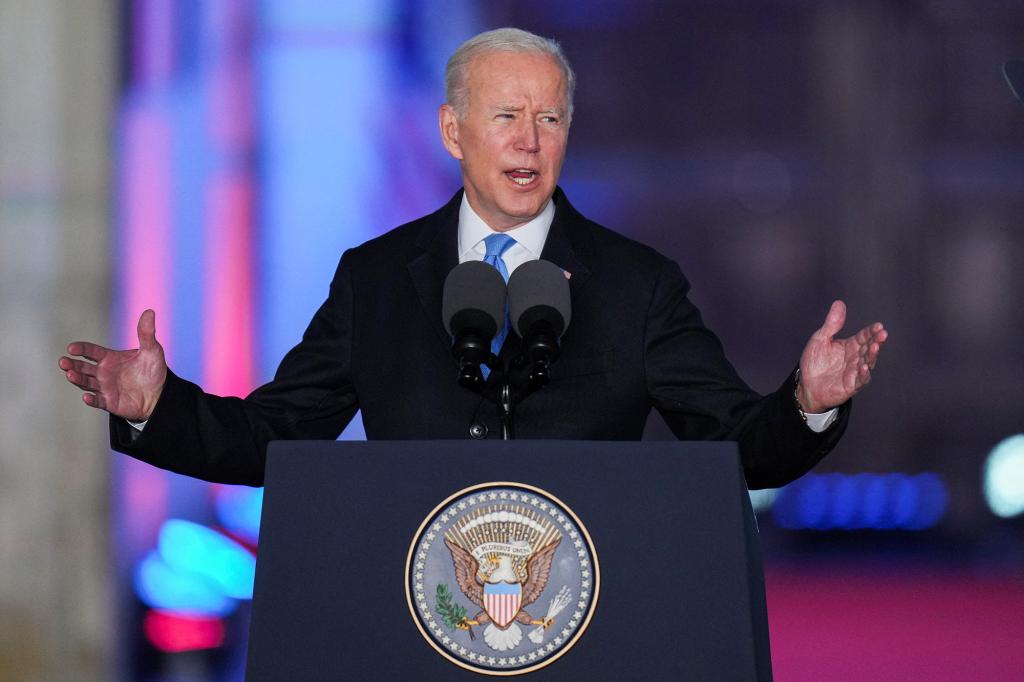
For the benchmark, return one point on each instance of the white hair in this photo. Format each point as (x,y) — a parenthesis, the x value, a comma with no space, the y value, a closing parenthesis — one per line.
(456,84)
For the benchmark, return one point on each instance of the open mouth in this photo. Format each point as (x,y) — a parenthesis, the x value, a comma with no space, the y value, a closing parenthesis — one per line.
(522,176)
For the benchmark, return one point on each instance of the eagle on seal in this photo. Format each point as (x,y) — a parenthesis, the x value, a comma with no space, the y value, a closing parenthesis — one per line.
(494,589)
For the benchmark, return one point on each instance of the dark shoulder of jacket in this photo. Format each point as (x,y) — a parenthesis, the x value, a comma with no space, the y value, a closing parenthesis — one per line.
(407,240)
(613,254)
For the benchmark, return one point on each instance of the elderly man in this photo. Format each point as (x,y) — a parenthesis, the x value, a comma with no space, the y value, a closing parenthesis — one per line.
(378,344)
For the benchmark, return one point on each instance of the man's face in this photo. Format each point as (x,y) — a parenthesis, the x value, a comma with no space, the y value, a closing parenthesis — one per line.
(511,142)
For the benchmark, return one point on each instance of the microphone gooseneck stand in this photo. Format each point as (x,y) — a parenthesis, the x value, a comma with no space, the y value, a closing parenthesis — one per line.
(513,385)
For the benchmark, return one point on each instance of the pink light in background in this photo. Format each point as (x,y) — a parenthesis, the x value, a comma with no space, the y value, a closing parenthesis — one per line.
(228,337)
(837,623)
(173,633)
(146,220)
(146,223)
(229,308)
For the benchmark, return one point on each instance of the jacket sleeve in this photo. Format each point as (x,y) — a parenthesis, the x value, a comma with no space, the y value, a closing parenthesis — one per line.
(701,397)
(225,439)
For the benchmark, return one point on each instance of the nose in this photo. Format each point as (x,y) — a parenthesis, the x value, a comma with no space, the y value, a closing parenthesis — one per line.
(527,137)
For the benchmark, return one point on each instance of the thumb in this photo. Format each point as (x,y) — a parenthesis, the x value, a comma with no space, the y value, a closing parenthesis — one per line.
(834,321)
(147,330)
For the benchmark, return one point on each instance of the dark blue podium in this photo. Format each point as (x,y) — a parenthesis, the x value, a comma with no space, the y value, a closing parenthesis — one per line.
(681,583)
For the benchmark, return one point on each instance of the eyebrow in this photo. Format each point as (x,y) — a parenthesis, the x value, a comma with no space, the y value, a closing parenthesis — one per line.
(510,107)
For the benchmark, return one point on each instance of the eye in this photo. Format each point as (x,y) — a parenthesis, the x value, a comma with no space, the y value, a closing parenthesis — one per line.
(506,116)
(550,118)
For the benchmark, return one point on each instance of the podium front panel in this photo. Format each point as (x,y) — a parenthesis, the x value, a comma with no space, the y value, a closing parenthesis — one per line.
(682,592)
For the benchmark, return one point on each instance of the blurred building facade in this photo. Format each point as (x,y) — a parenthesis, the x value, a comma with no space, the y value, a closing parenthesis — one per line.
(58,66)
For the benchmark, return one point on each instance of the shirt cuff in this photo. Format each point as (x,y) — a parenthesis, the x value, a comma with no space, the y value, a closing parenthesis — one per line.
(816,422)
(138,426)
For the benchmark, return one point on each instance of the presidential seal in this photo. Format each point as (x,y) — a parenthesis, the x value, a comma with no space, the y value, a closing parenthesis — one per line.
(502,578)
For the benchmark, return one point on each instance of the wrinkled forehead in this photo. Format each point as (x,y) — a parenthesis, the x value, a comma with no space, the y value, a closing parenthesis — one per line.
(516,79)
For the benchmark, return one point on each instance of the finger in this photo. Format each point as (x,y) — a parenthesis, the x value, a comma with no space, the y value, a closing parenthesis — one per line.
(82,366)
(872,355)
(84,382)
(871,333)
(147,329)
(861,378)
(864,336)
(89,351)
(834,321)
(93,400)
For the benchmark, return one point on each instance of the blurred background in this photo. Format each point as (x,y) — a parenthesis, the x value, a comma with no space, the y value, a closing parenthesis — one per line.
(211,159)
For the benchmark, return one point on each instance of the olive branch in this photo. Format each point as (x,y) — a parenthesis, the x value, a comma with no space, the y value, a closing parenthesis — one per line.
(453,615)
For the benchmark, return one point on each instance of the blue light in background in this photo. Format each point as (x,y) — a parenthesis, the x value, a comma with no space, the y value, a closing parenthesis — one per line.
(349,148)
(194,549)
(161,586)
(813,497)
(907,503)
(844,502)
(931,503)
(322,90)
(893,501)
(873,502)
(239,509)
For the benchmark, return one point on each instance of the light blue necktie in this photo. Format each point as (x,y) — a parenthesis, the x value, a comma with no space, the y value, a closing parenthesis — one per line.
(497,244)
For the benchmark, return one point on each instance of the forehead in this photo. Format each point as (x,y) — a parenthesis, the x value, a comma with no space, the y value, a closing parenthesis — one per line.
(517,77)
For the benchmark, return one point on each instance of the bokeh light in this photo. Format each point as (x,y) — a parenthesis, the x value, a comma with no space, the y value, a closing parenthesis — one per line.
(239,509)
(174,633)
(892,501)
(192,548)
(1003,478)
(161,586)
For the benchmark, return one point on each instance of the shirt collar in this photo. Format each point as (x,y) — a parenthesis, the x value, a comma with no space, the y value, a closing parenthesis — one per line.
(530,235)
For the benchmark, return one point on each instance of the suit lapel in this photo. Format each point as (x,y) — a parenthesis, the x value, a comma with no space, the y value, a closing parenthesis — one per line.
(567,245)
(438,244)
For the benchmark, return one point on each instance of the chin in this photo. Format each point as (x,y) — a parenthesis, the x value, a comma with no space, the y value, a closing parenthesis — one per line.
(525,208)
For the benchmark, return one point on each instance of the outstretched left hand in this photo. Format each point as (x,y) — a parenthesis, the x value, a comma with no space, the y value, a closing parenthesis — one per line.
(833,370)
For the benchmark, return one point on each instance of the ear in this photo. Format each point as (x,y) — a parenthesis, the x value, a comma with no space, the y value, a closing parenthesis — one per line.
(448,120)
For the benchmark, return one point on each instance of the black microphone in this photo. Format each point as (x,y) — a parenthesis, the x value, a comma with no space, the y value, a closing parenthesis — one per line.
(540,308)
(472,310)
(1013,70)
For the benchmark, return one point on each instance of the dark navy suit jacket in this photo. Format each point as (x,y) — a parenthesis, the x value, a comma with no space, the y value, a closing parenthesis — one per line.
(377,344)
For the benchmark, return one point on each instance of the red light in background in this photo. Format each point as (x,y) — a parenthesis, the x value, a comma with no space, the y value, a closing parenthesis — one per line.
(173,633)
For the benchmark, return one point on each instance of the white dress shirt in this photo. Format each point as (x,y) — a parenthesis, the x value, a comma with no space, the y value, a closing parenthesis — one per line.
(530,237)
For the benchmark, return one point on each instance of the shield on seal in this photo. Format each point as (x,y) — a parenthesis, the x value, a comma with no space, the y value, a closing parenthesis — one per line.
(502,602)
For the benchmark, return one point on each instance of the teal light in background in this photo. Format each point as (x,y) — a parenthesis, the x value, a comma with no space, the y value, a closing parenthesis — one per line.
(762,500)
(1003,478)
(191,548)
(164,587)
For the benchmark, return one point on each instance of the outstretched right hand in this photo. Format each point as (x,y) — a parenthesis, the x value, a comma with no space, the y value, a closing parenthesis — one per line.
(125,383)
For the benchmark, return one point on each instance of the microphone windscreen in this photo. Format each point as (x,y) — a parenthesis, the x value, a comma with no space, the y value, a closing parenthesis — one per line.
(477,290)
(1014,72)
(540,287)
